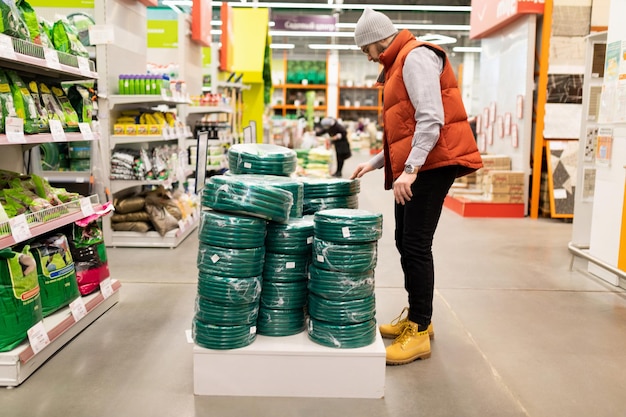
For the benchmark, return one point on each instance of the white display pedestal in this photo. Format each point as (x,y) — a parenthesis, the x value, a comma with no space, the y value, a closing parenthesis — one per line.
(292,366)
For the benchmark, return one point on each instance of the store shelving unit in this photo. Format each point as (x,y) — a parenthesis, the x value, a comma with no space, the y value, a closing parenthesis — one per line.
(19,363)
(356,102)
(294,93)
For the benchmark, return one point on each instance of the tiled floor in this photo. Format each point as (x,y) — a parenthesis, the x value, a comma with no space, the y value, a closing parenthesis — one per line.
(517,334)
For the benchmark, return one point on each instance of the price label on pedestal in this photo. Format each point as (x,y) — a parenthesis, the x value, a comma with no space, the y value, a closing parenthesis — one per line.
(6,47)
(19,228)
(83,66)
(86,207)
(56,130)
(85,129)
(106,288)
(14,128)
(78,309)
(38,337)
(182,226)
(52,58)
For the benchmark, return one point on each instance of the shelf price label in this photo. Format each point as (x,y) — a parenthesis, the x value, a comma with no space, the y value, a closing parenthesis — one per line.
(38,337)
(14,129)
(56,129)
(106,288)
(86,131)
(86,207)
(83,66)
(52,58)
(6,47)
(78,309)
(19,228)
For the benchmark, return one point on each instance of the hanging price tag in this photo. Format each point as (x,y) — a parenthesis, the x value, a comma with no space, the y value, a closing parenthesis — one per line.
(56,130)
(78,309)
(345,231)
(106,288)
(52,58)
(83,66)
(38,337)
(6,47)
(86,207)
(19,228)
(85,129)
(14,129)
(290,265)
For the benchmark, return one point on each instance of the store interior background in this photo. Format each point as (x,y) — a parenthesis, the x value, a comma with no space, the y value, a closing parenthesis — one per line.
(515,63)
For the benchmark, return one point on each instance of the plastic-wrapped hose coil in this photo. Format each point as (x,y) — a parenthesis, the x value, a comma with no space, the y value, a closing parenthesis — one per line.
(344,258)
(294,237)
(230,194)
(262,159)
(211,336)
(283,295)
(329,187)
(342,312)
(280,267)
(343,337)
(334,285)
(225,314)
(236,263)
(231,231)
(272,322)
(295,187)
(313,205)
(229,290)
(348,226)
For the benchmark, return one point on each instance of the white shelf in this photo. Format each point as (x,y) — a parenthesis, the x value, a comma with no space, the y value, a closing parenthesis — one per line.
(45,138)
(151,239)
(78,177)
(19,363)
(291,366)
(208,109)
(119,185)
(119,99)
(127,139)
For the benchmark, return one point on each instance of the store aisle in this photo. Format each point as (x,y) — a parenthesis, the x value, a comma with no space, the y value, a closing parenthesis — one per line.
(517,334)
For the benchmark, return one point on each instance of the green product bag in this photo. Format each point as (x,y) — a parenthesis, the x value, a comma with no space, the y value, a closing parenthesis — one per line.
(6,99)
(20,302)
(24,104)
(71,118)
(11,22)
(56,273)
(29,17)
(66,40)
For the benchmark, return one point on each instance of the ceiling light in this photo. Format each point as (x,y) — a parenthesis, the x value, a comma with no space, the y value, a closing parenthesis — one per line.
(415,26)
(306,33)
(470,49)
(282,46)
(437,39)
(333,47)
(322,6)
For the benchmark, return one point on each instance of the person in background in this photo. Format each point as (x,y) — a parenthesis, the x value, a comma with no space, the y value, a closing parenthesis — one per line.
(339,138)
(427,143)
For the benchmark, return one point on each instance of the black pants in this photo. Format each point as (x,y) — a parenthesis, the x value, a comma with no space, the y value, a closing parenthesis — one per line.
(416,223)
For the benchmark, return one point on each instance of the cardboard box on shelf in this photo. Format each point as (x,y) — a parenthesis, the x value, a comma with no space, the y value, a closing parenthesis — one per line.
(504,177)
(503,188)
(499,162)
(505,198)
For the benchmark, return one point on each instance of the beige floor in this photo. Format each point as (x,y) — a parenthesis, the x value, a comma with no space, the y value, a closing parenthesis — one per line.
(518,334)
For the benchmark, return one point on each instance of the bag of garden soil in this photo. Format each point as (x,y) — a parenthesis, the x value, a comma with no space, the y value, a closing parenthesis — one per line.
(20,302)
(56,273)
(89,253)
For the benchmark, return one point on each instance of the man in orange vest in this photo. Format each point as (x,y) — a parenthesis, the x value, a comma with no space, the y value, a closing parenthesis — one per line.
(427,143)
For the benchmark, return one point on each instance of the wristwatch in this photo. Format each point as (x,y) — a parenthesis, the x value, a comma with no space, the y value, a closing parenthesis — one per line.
(410,169)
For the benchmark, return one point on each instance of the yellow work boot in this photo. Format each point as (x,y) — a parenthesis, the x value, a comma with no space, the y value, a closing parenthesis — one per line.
(409,346)
(394,329)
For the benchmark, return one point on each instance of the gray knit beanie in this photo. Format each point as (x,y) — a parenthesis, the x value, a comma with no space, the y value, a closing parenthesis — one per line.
(373,27)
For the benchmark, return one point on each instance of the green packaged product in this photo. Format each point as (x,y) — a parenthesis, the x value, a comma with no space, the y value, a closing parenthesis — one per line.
(45,33)
(11,22)
(71,118)
(66,40)
(56,273)
(24,104)
(20,302)
(41,110)
(6,100)
(80,99)
(29,17)
(51,104)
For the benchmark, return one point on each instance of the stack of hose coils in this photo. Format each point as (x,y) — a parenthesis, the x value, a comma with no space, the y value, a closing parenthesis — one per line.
(285,274)
(261,158)
(295,187)
(230,263)
(341,301)
(236,194)
(329,193)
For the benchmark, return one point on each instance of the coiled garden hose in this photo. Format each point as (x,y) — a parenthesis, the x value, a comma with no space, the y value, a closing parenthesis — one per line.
(273,322)
(313,205)
(228,290)
(284,295)
(348,226)
(342,312)
(334,285)
(280,267)
(262,159)
(233,231)
(236,263)
(211,336)
(220,314)
(293,237)
(342,336)
(344,258)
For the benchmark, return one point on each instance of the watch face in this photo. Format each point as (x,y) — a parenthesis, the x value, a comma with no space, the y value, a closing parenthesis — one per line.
(409,169)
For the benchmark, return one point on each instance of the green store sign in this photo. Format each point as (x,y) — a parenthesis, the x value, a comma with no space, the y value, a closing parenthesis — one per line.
(162,33)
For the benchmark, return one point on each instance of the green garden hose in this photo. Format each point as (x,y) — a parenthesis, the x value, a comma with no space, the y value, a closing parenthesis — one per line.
(272,322)
(211,336)
(280,267)
(235,263)
(342,337)
(348,226)
(283,295)
(329,187)
(262,159)
(229,290)
(293,237)
(313,205)
(334,285)
(220,314)
(295,187)
(342,312)
(344,258)
(231,231)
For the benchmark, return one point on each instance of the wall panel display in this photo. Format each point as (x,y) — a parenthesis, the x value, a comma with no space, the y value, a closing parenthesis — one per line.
(562,168)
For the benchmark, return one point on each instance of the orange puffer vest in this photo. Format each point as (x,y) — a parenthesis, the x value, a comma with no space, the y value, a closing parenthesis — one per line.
(456,144)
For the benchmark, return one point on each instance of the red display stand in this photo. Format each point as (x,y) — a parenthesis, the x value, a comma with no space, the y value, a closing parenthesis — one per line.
(476,208)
